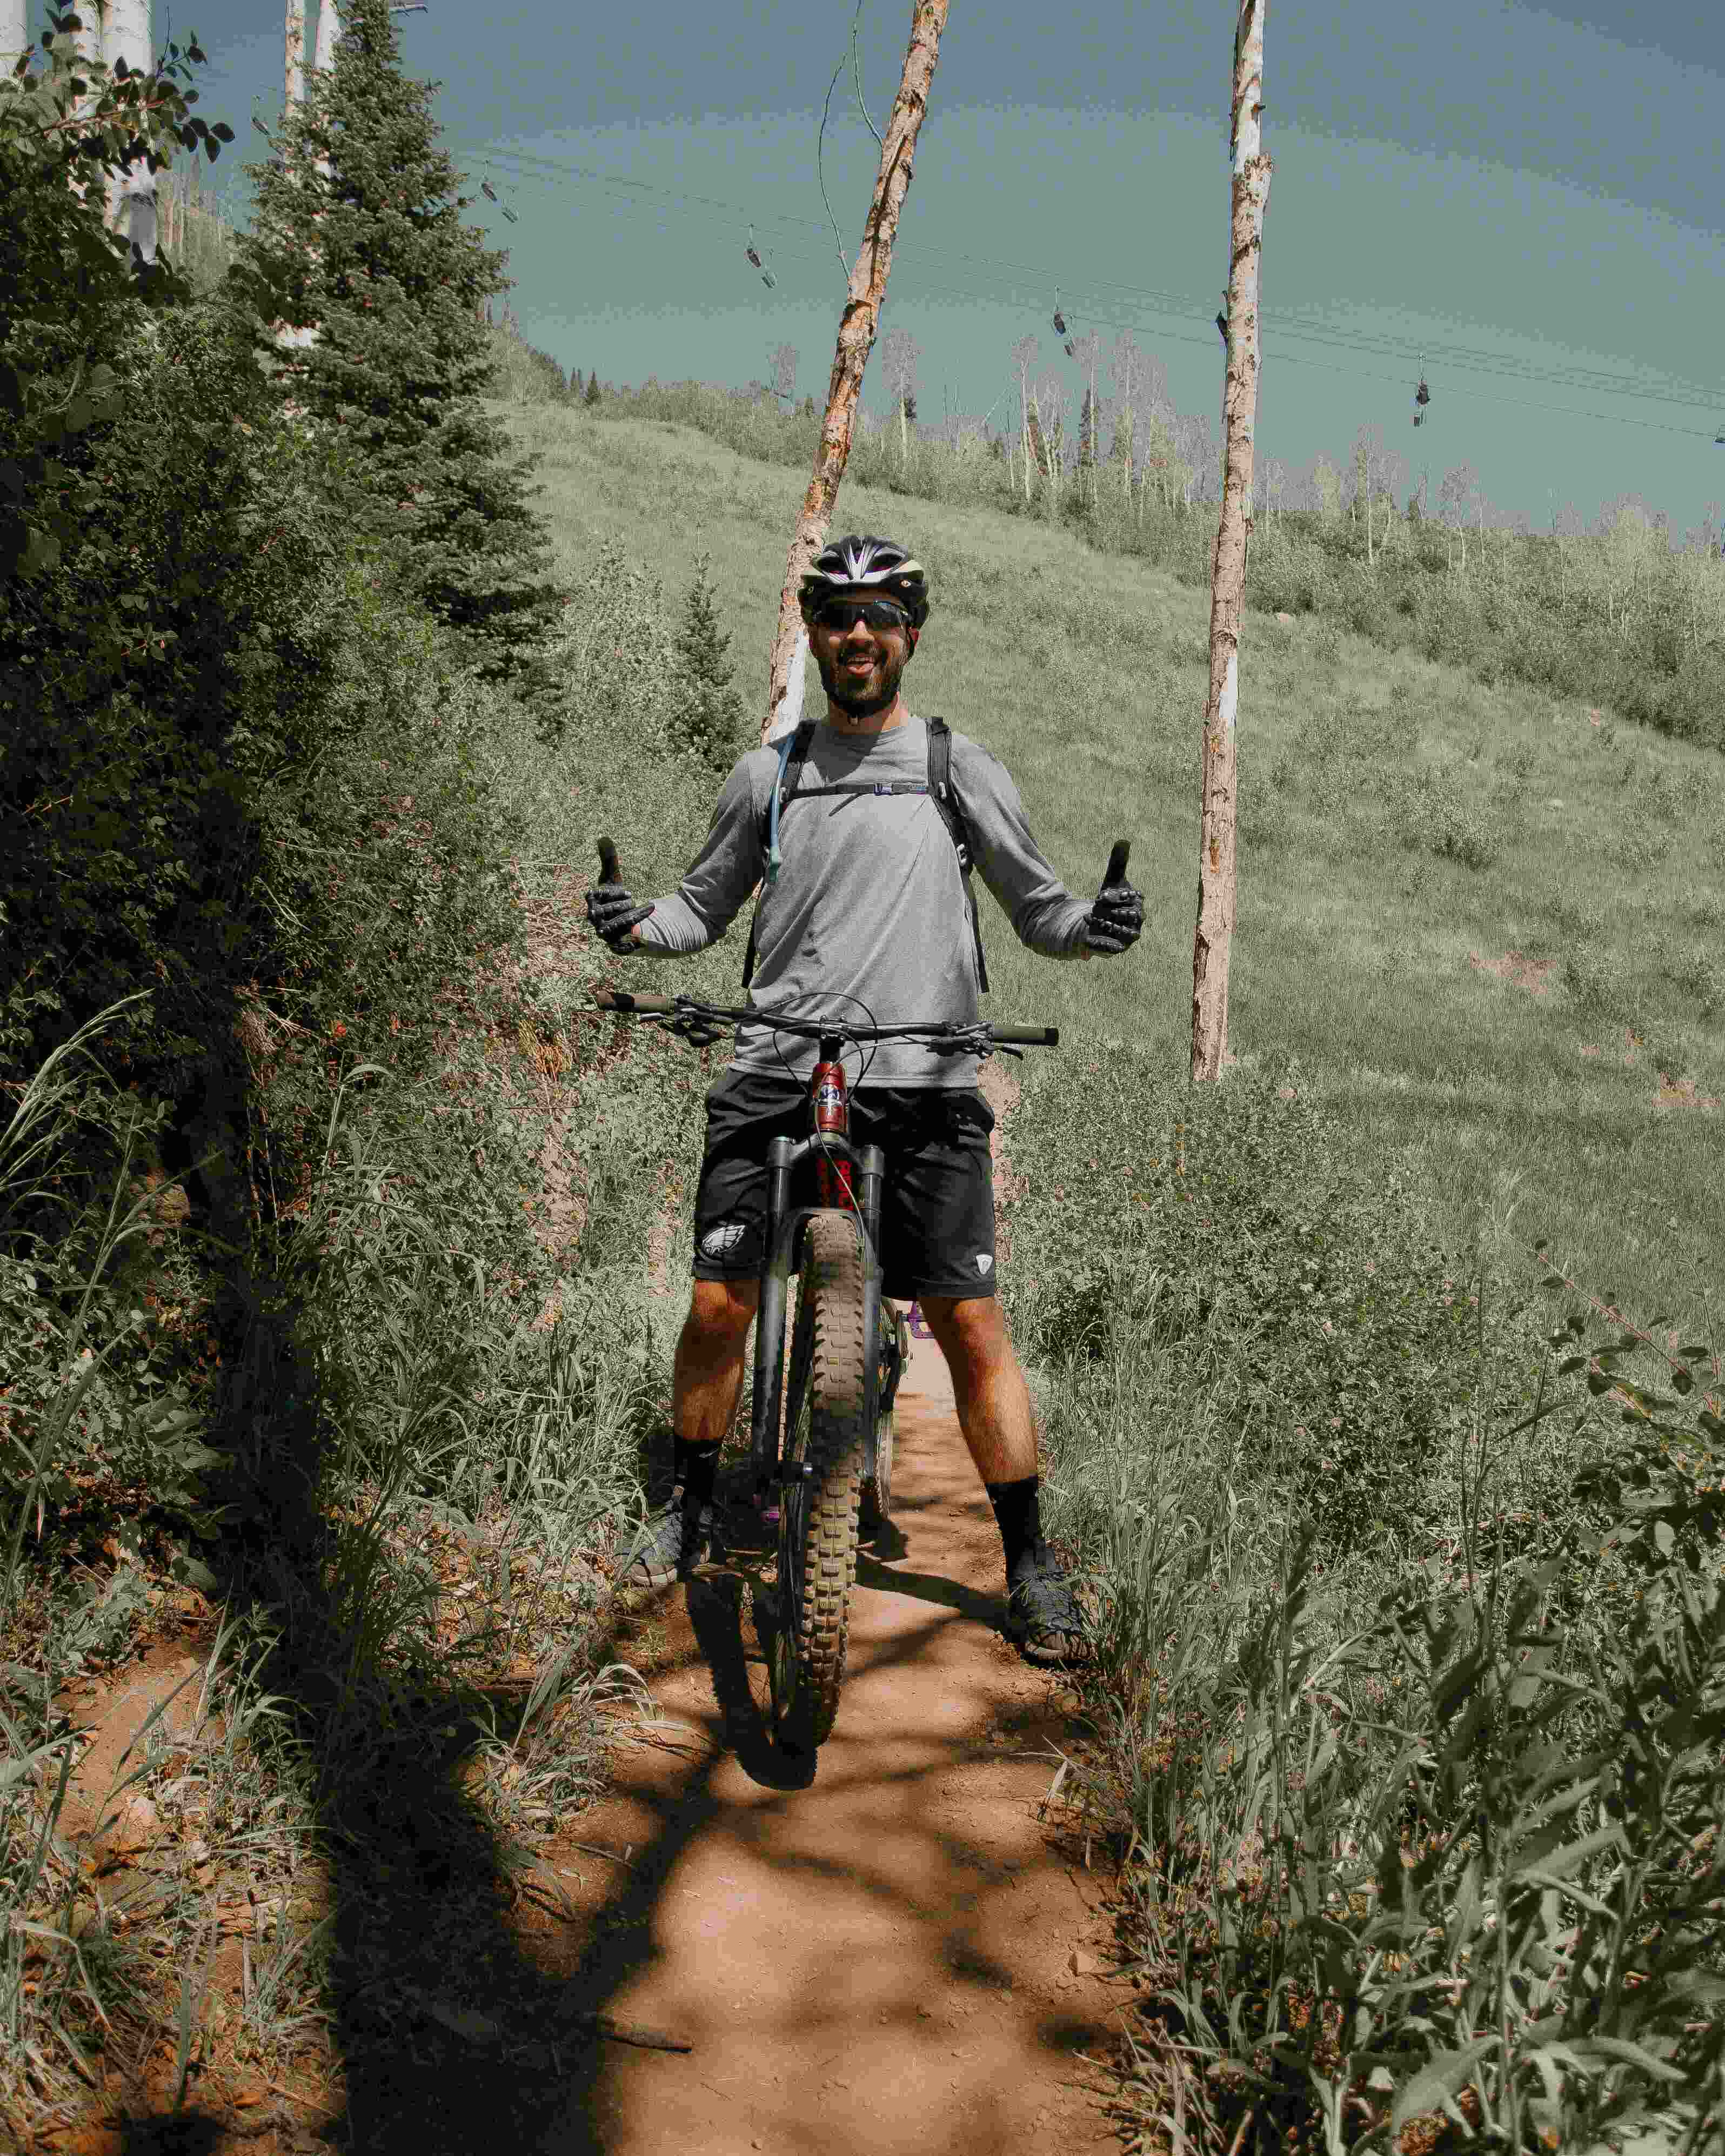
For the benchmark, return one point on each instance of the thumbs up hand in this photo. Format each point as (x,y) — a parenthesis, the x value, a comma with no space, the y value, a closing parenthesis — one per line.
(1116,918)
(610,908)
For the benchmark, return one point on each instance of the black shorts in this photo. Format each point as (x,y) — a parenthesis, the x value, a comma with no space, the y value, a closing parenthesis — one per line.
(936,1199)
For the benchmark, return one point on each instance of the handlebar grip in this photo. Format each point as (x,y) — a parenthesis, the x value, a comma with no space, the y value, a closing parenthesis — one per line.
(609,870)
(626,999)
(1026,1036)
(1116,871)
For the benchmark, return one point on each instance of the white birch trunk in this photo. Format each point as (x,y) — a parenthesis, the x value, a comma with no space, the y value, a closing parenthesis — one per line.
(856,335)
(14,36)
(131,207)
(329,28)
(1251,189)
(296,55)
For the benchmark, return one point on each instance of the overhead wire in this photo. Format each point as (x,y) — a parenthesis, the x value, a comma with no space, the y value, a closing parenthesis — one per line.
(1594,380)
(1583,381)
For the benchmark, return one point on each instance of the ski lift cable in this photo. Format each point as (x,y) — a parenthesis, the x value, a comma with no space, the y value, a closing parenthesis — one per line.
(856,81)
(1587,381)
(1599,385)
(1275,353)
(821,174)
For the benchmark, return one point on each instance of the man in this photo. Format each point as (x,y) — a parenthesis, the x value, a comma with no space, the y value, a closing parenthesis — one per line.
(867,908)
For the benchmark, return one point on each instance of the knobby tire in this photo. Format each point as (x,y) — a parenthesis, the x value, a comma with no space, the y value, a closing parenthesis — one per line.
(818,1514)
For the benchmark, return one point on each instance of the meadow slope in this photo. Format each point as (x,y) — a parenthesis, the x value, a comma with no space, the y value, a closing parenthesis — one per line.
(1486,930)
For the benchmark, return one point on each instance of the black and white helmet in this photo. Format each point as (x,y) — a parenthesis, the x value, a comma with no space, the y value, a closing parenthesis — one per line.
(861,567)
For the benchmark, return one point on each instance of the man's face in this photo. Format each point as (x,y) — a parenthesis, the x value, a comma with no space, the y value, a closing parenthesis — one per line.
(859,664)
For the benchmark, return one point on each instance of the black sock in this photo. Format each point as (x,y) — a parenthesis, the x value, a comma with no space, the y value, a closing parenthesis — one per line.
(1019,1517)
(695,1463)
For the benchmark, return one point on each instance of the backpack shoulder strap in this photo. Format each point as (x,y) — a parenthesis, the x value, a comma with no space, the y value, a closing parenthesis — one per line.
(945,797)
(792,756)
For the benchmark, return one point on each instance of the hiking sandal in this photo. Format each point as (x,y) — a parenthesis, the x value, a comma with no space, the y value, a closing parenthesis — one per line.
(672,1542)
(1043,1618)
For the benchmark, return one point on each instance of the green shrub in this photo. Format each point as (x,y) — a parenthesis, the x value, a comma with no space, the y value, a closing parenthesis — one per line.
(180,656)
(1435,813)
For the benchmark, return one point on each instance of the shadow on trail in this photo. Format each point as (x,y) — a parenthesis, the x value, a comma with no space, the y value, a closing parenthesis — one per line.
(459,1981)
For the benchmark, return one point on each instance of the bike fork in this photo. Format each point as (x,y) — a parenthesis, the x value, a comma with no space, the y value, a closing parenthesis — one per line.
(770,1321)
(870,1166)
(768,1410)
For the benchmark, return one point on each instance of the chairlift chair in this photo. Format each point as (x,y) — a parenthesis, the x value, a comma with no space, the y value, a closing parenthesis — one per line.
(488,191)
(767,276)
(1059,319)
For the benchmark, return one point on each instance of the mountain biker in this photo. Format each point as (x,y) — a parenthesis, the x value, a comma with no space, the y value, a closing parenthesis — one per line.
(869,905)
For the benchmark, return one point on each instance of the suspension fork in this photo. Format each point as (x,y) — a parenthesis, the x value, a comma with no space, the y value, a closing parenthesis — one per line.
(769,1319)
(870,1168)
(784,1232)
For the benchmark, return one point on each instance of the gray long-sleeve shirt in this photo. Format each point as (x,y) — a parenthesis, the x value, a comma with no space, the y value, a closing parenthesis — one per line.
(868,903)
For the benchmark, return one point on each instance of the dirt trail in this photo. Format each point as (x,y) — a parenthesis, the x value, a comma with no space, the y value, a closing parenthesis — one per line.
(885,1949)
(879,1958)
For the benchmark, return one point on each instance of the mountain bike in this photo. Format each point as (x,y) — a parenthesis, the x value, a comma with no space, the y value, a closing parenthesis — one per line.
(820,1436)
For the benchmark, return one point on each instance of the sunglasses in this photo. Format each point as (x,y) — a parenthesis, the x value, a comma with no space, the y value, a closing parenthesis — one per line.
(842,615)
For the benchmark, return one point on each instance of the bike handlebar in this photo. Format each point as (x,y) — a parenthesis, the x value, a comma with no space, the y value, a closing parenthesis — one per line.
(629,1002)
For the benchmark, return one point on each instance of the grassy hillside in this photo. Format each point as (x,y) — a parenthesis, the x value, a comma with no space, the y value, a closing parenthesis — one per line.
(1480,926)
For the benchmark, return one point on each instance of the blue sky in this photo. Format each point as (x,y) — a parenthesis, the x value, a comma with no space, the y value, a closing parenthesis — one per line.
(1530,198)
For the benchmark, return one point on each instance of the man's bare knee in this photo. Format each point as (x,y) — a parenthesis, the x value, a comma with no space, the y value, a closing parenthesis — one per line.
(722,1312)
(973,1327)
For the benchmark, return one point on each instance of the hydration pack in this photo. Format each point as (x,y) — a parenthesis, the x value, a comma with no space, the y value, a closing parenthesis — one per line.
(793,756)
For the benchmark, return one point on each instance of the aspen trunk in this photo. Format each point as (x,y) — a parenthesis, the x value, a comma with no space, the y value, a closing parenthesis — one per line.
(856,333)
(296,56)
(1251,191)
(329,28)
(131,209)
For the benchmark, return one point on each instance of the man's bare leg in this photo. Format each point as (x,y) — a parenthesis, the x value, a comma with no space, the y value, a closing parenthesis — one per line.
(707,1375)
(994,1401)
(706,1380)
(999,1427)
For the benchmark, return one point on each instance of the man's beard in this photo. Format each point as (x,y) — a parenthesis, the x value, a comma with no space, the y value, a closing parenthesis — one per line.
(864,703)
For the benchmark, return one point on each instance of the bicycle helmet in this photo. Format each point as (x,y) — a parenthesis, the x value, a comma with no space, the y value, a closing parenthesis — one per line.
(864,565)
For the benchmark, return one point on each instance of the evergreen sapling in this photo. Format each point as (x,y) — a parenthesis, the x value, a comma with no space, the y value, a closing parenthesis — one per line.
(713,714)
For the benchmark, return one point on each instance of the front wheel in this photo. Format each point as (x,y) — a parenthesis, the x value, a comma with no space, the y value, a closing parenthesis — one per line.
(822,1458)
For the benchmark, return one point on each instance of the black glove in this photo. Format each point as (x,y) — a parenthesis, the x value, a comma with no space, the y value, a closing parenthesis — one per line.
(610,908)
(1115,920)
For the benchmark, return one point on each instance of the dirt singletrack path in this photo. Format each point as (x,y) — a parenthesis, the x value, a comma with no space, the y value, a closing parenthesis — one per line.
(890,1954)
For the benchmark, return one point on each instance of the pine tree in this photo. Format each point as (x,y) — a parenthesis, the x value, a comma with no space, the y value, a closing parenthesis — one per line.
(713,715)
(592,387)
(358,237)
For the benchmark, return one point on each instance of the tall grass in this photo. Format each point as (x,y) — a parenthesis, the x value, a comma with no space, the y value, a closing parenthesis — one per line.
(1410,1653)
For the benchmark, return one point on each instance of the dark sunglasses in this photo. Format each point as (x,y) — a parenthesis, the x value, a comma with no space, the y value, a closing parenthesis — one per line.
(842,615)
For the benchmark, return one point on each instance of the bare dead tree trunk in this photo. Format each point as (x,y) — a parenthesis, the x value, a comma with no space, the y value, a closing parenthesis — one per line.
(856,332)
(1250,192)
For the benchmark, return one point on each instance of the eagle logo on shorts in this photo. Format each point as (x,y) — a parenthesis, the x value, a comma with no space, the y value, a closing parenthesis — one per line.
(719,1242)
